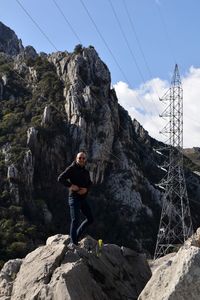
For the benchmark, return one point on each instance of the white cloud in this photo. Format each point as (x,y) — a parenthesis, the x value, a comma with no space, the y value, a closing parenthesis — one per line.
(143,104)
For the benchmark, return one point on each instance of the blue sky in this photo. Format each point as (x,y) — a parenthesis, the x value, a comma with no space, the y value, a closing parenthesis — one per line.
(154,35)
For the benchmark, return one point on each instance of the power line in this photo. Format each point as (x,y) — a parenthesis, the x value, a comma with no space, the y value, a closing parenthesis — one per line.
(45,35)
(109,152)
(88,134)
(138,42)
(101,36)
(104,41)
(194,201)
(164,25)
(129,47)
(99,102)
(169,43)
(126,40)
(191,200)
(137,38)
(36,24)
(80,79)
(67,21)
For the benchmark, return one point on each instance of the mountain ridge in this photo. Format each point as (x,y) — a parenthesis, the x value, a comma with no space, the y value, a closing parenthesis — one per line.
(52,106)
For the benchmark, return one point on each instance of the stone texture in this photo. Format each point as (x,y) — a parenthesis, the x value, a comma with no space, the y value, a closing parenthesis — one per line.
(94,122)
(9,42)
(54,272)
(28,53)
(176,277)
(7,276)
(83,115)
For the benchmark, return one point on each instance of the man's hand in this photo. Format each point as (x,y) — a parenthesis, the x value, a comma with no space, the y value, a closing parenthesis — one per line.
(82,191)
(74,188)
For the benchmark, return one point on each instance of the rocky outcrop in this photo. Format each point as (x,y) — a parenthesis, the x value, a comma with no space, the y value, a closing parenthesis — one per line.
(193,154)
(28,53)
(7,277)
(93,121)
(65,104)
(54,271)
(176,277)
(9,42)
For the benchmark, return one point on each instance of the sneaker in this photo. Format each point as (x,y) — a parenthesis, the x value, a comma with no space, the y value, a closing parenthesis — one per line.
(71,246)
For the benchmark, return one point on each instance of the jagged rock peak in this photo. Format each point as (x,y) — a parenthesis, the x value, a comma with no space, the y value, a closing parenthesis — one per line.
(83,67)
(9,42)
(176,276)
(54,271)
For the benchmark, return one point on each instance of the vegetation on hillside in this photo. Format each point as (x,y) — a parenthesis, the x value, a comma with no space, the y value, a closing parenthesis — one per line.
(22,107)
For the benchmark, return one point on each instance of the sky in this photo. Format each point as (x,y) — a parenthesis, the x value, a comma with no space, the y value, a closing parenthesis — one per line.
(139,40)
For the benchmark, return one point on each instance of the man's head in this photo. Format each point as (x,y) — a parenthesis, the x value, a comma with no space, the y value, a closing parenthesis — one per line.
(81,159)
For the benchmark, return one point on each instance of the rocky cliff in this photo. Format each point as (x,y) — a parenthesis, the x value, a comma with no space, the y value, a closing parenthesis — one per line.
(51,107)
(194,155)
(54,271)
(177,275)
(9,42)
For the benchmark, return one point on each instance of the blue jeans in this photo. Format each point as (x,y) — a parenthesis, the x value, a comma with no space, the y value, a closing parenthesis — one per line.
(77,204)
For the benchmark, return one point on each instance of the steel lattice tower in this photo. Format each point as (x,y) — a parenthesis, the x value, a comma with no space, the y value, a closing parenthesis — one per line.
(175,222)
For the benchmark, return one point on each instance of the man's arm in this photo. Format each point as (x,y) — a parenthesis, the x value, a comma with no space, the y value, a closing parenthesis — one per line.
(64,177)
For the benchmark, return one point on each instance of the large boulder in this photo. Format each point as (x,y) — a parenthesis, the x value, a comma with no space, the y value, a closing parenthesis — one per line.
(54,271)
(176,277)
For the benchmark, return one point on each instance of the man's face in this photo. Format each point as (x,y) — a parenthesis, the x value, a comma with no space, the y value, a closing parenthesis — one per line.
(81,159)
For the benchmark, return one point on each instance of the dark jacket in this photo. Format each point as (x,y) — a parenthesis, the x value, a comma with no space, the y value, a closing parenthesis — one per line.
(75,174)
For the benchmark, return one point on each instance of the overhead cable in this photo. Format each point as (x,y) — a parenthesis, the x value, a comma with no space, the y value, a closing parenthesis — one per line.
(67,21)
(130,49)
(36,24)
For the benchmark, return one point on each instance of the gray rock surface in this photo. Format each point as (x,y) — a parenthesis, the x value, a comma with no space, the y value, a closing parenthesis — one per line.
(53,271)
(93,121)
(9,42)
(7,276)
(65,103)
(176,276)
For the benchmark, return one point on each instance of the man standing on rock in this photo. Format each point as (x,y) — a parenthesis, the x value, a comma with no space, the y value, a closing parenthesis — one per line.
(78,181)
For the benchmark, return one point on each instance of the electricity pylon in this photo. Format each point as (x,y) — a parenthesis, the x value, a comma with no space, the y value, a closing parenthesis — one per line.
(175,222)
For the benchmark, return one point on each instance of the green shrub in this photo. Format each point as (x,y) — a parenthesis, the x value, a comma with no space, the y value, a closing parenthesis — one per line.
(9,122)
(17,249)
(5,195)
(36,121)
(20,237)
(15,211)
(78,49)
(6,68)
(42,65)
(6,224)
(50,87)
(31,231)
